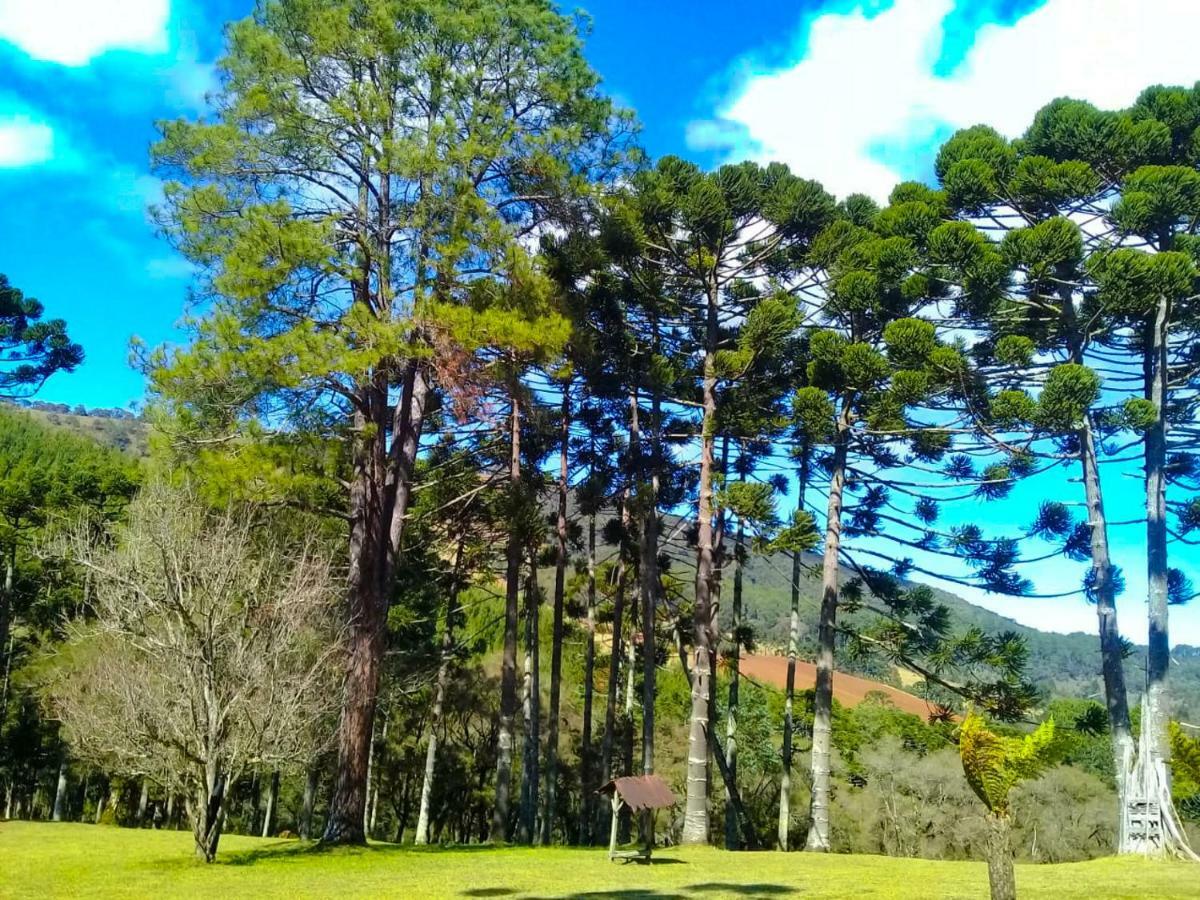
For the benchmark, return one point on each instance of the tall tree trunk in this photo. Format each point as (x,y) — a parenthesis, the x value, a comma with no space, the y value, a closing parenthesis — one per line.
(1111,650)
(255,802)
(822,740)
(749,839)
(731,714)
(785,779)
(560,581)
(99,804)
(268,827)
(530,773)
(614,672)
(695,821)
(508,664)
(1159,650)
(439,698)
(649,585)
(627,723)
(60,792)
(586,784)
(308,802)
(6,637)
(380,491)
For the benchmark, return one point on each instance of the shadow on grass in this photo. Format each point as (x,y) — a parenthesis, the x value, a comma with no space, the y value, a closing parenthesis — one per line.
(725,888)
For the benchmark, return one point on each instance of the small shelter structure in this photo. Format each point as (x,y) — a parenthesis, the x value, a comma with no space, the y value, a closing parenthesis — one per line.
(640,793)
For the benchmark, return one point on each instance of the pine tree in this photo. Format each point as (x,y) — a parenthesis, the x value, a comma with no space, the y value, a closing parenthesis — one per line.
(33,349)
(338,227)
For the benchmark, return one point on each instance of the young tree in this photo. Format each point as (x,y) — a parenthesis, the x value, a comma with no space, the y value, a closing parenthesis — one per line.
(994,765)
(206,651)
(32,349)
(367,162)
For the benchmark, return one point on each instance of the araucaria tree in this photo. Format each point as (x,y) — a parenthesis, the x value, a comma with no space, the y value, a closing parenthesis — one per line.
(1094,339)
(205,650)
(715,237)
(32,349)
(367,161)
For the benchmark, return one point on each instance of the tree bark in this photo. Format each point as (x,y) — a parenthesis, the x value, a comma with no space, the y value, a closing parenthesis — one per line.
(1159,650)
(695,821)
(530,773)
(60,792)
(818,833)
(439,700)
(1001,878)
(268,825)
(208,815)
(508,664)
(143,801)
(649,586)
(731,713)
(785,779)
(614,670)
(586,784)
(309,801)
(560,582)
(1111,649)
(380,491)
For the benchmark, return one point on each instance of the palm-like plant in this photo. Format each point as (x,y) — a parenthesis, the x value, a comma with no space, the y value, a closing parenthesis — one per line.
(994,764)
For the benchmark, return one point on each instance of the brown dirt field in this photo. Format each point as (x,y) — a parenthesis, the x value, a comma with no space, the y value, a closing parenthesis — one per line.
(848,690)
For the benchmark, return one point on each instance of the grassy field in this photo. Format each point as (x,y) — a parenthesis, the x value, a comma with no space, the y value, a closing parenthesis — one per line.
(45,860)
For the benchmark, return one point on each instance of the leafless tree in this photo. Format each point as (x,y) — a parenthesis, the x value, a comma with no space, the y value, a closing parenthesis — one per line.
(206,649)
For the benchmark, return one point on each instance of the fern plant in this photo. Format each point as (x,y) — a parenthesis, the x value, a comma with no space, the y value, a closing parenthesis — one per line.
(994,764)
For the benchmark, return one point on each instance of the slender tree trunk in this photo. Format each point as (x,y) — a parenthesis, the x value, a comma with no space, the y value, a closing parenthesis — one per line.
(309,801)
(6,637)
(560,581)
(627,723)
(99,804)
(1001,878)
(60,792)
(530,774)
(255,802)
(7,679)
(143,801)
(1111,649)
(731,823)
(508,664)
(586,783)
(380,491)
(272,801)
(1159,651)
(695,821)
(170,817)
(785,779)
(818,833)
(649,585)
(614,670)
(439,699)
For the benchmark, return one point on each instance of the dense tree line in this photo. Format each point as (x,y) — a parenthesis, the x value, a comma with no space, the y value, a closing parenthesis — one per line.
(461,336)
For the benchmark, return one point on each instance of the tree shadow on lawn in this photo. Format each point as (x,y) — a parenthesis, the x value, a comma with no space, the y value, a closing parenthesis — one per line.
(290,849)
(722,888)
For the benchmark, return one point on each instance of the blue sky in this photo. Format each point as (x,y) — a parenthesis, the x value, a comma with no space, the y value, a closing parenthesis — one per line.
(854,94)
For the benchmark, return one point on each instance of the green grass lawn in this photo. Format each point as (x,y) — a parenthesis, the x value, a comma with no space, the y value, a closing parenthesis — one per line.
(46,860)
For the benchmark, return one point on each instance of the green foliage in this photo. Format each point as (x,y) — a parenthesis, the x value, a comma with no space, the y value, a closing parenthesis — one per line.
(994,764)
(1068,394)
(32,349)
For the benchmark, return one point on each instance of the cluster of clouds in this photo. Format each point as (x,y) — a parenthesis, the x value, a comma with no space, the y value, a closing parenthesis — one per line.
(865,99)
(68,37)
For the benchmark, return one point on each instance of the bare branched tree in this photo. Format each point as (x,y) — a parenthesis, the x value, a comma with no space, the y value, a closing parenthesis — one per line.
(206,648)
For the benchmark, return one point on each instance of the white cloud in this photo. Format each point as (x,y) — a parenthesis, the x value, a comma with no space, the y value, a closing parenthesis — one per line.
(24,141)
(74,32)
(864,90)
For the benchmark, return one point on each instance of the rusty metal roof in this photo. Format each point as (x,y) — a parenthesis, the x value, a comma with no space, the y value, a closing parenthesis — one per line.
(641,792)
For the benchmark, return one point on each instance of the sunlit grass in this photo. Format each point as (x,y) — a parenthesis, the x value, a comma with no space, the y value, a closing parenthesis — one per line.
(69,860)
